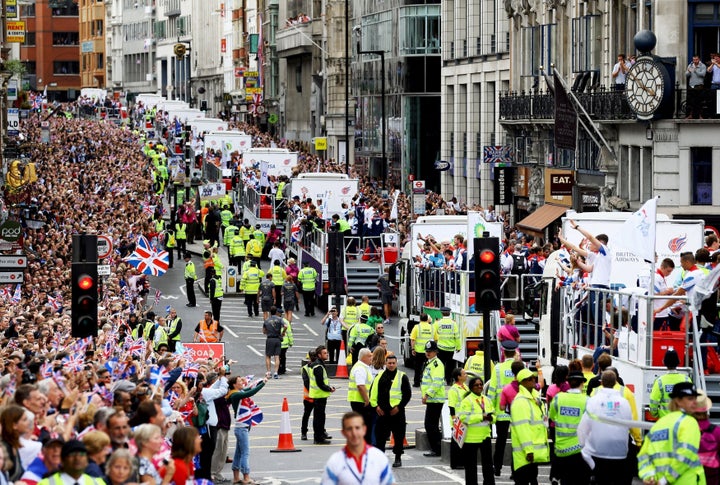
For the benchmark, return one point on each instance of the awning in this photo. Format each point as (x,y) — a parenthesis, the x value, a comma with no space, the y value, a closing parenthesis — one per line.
(536,222)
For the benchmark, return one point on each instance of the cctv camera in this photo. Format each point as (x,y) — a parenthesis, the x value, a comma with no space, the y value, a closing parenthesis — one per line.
(357,29)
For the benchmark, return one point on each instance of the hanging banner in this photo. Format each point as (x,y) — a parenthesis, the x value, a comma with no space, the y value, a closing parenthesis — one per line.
(503,185)
(565,118)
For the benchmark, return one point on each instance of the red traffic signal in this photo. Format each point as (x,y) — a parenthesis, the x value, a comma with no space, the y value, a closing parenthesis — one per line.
(487,274)
(86,282)
(487,256)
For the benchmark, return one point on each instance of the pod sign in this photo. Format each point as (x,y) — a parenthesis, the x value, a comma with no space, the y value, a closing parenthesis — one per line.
(10,231)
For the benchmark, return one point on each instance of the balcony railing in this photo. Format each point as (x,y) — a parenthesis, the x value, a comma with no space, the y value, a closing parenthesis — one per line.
(601,104)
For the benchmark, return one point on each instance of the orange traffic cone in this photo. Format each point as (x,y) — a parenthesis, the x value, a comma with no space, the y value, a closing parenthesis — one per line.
(341,371)
(405,441)
(285,440)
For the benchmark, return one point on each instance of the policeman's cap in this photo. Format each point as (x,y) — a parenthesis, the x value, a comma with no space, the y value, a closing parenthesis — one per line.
(257,226)
(509,344)
(187,256)
(671,358)
(684,389)
(431,346)
(576,376)
(445,309)
(253,262)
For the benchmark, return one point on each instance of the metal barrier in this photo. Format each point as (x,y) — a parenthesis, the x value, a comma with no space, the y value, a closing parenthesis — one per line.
(253,201)
(618,320)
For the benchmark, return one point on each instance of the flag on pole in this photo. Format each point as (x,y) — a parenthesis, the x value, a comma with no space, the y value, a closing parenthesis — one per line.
(17,296)
(638,232)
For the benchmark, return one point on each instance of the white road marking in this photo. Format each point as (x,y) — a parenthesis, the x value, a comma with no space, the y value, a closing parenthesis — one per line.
(169,297)
(447,475)
(231,332)
(182,290)
(310,329)
(254,351)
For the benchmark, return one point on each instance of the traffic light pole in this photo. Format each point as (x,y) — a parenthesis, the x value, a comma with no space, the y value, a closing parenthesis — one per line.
(487,287)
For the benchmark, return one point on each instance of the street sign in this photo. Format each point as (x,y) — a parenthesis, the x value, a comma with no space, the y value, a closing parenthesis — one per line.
(203,350)
(103,269)
(13,262)
(13,119)
(11,277)
(104,246)
(320,143)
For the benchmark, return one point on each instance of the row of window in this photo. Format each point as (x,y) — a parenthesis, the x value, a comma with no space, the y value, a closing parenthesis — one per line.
(58,39)
(59,10)
(474,28)
(418,31)
(171,28)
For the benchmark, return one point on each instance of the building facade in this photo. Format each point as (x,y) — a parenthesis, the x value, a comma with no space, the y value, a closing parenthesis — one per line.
(618,162)
(92,43)
(132,47)
(409,35)
(171,27)
(475,68)
(51,48)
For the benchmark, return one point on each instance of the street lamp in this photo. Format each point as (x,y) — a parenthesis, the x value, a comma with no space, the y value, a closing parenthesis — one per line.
(382,108)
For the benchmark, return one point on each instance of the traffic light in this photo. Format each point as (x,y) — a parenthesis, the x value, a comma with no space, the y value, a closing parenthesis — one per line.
(84,300)
(487,273)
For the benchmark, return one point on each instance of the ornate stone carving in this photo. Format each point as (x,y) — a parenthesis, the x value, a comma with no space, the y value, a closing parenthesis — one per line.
(610,202)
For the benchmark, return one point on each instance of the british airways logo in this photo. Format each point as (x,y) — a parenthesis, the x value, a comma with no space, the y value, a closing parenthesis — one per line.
(677,243)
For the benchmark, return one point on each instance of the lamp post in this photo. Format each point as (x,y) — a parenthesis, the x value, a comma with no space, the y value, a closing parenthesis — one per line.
(347,87)
(382,109)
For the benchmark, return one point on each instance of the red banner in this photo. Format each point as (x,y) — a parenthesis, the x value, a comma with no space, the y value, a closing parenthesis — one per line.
(204,351)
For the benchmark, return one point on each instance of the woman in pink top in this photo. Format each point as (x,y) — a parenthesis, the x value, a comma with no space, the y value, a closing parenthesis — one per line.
(508,331)
(559,382)
(510,390)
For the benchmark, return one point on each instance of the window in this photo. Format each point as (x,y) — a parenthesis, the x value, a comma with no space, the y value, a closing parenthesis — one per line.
(66,38)
(701,175)
(66,68)
(298,78)
(99,61)
(420,30)
(160,29)
(27,10)
(377,32)
(64,9)
(539,45)
(586,32)
(29,39)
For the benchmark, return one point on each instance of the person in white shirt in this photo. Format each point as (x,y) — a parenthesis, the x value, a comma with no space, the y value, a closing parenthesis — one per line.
(660,287)
(362,376)
(619,72)
(603,435)
(276,254)
(357,463)
(598,263)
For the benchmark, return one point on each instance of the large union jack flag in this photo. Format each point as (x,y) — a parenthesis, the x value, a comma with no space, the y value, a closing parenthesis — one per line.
(191,370)
(147,259)
(74,362)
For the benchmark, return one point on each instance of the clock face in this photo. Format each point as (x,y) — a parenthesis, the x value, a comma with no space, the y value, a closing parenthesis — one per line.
(645,87)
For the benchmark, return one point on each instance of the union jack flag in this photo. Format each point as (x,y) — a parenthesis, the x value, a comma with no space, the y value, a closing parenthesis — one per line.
(135,347)
(74,362)
(10,387)
(46,370)
(296,232)
(248,411)
(17,296)
(55,303)
(158,375)
(147,208)
(147,259)
(5,293)
(172,397)
(191,370)
(82,344)
(104,393)
(158,294)
(108,348)
(13,344)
